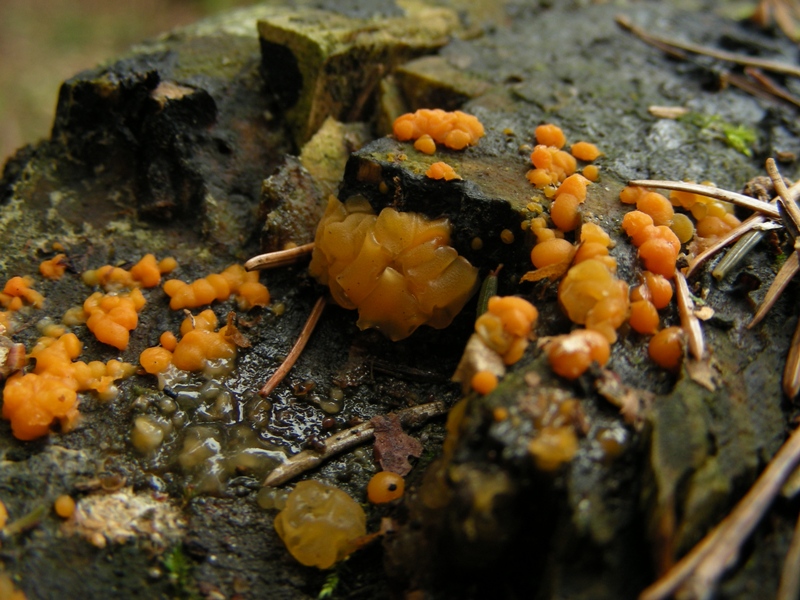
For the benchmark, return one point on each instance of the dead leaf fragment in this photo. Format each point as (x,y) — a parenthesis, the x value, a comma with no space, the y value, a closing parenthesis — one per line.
(393,446)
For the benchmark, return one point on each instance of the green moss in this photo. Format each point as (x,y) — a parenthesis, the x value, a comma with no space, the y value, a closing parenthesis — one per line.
(739,137)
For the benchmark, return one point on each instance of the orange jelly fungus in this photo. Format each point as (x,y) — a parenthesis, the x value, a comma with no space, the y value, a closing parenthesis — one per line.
(591,295)
(657,206)
(658,245)
(591,172)
(666,348)
(3,516)
(570,355)
(199,344)
(585,151)
(655,288)
(552,252)
(64,506)
(53,268)
(397,269)
(145,273)
(111,318)
(456,129)
(484,382)
(33,401)
(441,170)
(644,317)
(550,135)
(384,487)
(425,144)
(219,286)
(506,326)
(18,292)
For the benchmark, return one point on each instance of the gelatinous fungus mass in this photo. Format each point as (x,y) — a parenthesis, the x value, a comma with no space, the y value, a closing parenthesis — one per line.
(396,268)
(319,524)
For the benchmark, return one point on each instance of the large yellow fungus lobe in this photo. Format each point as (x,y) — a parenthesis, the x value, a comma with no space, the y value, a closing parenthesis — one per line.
(456,129)
(396,268)
(319,524)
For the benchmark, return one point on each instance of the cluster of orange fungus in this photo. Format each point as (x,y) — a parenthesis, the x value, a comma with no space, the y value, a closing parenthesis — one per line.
(396,268)
(552,164)
(145,273)
(658,245)
(111,317)
(505,328)
(591,295)
(18,292)
(429,127)
(218,286)
(53,268)
(33,401)
(654,293)
(319,524)
(714,217)
(384,487)
(200,343)
(441,170)
(570,355)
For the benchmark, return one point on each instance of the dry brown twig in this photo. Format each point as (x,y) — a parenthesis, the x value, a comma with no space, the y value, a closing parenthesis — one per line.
(281,258)
(296,350)
(344,440)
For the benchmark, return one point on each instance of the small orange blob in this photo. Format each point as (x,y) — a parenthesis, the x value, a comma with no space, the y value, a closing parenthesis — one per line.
(585,151)
(64,506)
(425,144)
(456,129)
(441,170)
(552,252)
(644,317)
(550,135)
(666,348)
(564,212)
(384,487)
(657,206)
(630,194)
(591,172)
(53,268)
(484,382)
(570,355)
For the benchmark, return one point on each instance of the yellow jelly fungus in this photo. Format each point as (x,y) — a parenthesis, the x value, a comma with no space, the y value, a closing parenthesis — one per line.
(112,317)
(319,524)
(53,268)
(506,326)
(33,401)
(396,268)
(456,129)
(234,280)
(426,145)
(441,170)
(384,487)
(553,447)
(591,295)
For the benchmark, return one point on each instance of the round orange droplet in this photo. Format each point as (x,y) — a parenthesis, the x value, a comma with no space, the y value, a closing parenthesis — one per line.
(644,317)
(385,487)
(666,348)
(564,212)
(64,506)
(484,382)
(585,151)
(550,135)
(552,252)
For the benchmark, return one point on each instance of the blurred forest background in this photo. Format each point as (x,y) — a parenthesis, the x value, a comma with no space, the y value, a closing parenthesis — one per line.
(43,42)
